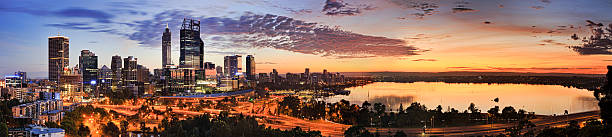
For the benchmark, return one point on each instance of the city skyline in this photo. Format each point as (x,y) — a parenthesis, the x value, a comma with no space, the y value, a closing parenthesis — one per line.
(444,36)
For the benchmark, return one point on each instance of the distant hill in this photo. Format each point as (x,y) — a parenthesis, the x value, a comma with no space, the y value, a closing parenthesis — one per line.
(462,73)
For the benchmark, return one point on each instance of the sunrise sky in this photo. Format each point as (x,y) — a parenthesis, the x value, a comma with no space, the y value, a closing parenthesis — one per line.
(341,36)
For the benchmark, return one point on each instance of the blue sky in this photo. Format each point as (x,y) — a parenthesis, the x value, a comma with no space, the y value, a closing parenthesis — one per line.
(349,35)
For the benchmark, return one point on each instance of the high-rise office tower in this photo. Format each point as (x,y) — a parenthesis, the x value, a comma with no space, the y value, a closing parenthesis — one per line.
(274,76)
(116,64)
(88,63)
(233,66)
(609,75)
(210,70)
(219,71)
(129,74)
(250,67)
(166,47)
(58,56)
(191,59)
(192,46)
(130,66)
(105,78)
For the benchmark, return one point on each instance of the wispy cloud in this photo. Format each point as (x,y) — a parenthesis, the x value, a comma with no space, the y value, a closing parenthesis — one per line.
(520,68)
(422,7)
(537,7)
(551,42)
(71,12)
(339,7)
(600,41)
(267,63)
(279,32)
(461,7)
(98,15)
(228,53)
(424,60)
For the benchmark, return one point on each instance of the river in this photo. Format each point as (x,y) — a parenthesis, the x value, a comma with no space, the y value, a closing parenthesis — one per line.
(541,99)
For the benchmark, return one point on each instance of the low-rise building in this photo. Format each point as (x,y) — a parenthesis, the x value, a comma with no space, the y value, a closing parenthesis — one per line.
(38,131)
(40,111)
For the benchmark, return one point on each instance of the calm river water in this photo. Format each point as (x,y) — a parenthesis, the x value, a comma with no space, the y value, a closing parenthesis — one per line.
(542,99)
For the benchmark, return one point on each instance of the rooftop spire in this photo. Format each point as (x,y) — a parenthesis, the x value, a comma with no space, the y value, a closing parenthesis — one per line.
(166,25)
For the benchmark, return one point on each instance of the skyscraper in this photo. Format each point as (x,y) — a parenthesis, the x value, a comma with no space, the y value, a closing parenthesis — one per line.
(58,56)
(250,67)
(192,46)
(105,78)
(210,71)
(219,71)
(192,52)
(116,63)
(166,47)
(88,63)
(130,66)
(233,66)
(116,68)
(129,74)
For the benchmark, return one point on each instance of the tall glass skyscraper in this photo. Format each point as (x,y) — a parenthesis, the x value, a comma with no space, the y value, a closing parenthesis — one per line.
(116,64)
(233,66)
(192,53)
(192,46)
(166,47)
(58,56)
(88,61)
(250,67)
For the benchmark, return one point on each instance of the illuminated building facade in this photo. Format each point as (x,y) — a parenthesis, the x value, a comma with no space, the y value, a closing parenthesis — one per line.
(192,53)
(116,68)
(129,74)
(233,66)
(58,56)
(166,47)
(88,61)
(250,67)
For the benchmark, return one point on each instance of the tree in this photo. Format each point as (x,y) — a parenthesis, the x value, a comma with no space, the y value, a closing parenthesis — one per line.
(143,127)
(110,129)
(473,109)
(509,113)
(357,131)
(124,126)
(439,109)
(494,110)
(400,134)
(3,130)
(604,95)
(83,131)
(52,124)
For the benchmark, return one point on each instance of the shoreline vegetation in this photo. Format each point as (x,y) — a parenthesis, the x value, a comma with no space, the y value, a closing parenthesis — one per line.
(581,81)
(415,115)
(588,83)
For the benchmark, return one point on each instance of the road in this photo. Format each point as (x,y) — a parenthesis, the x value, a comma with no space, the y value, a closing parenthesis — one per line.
(541,122)
(283,122)
(263,113)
